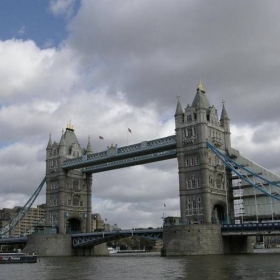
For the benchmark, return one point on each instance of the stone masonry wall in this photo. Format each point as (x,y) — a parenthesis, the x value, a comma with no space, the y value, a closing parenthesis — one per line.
(49,245)
(184,240)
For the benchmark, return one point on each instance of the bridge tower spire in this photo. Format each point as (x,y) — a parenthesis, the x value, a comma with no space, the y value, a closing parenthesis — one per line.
(225,123)
(68,193)
(203,181)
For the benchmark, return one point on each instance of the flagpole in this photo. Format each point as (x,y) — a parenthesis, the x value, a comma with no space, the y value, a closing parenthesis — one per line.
(128,131)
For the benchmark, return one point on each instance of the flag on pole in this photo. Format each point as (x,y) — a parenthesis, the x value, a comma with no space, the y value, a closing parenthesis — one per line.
(100,137)
(129,130)
(164,205)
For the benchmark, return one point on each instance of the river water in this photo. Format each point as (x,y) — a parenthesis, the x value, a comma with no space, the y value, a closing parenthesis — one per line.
(147,266)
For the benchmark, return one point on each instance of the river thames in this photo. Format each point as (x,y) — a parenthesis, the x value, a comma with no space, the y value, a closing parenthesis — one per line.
(147,266)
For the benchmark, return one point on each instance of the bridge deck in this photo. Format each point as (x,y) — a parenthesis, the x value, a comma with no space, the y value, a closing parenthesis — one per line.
(251,229)
(95,238)
(114,157)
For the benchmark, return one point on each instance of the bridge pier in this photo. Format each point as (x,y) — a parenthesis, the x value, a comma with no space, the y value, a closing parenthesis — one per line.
(185,240)
(49,245)
(204,239)
(54,245)
(238,244)
(97,250)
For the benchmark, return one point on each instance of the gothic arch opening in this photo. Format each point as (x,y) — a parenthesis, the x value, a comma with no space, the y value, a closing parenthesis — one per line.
(218,214)
(73,225)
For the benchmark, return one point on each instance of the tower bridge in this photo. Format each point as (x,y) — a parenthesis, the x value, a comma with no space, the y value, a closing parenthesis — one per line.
(212,177)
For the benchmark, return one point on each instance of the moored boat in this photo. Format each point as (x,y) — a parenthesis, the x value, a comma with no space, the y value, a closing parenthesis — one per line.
(131,251)
(17,258)
(112,250)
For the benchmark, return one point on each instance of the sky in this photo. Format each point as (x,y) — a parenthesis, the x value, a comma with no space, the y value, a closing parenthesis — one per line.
(110,65)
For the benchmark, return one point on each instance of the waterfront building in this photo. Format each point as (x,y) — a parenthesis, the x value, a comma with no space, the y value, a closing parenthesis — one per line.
(34,216)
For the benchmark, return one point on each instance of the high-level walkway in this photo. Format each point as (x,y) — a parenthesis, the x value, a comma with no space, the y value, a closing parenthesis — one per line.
(114,157)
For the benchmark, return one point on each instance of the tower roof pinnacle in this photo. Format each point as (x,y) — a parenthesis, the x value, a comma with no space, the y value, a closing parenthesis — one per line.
(70,126)
(200,86)
(200,100)
(50,142)
(179,110)
(89,149)
(224,114)
(62,141)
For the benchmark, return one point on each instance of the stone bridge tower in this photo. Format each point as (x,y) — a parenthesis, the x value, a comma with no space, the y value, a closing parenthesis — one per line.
(204,182)
(68,193)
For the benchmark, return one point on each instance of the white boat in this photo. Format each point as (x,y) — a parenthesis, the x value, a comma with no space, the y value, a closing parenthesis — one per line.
(259,246)
(112,250)
(131,251)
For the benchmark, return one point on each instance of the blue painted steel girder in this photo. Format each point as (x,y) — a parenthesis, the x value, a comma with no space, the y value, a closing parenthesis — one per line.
(131,161)
(95,238)
(13,240)
(114,157)
(251,229)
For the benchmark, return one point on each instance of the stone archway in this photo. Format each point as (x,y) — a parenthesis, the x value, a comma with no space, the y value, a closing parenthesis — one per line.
(218,214)
(73,225)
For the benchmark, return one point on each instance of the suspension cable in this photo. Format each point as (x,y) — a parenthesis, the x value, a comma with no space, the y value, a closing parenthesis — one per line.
(231,164)
(15,220)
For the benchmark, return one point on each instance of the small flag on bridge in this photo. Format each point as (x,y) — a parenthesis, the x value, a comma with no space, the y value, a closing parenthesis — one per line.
(129,130)
(100,137)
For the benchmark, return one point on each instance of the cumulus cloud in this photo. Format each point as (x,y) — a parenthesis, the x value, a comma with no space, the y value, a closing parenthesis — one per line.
(161,49)
(28,72)
(122,66)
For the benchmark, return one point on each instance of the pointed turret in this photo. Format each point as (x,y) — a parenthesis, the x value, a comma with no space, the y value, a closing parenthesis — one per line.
(224,115)
(62,145)
(201,103)
(49,146)
(225,123)
(200,100)
(62,141)
(89,149)
(179,115)
(179,110)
